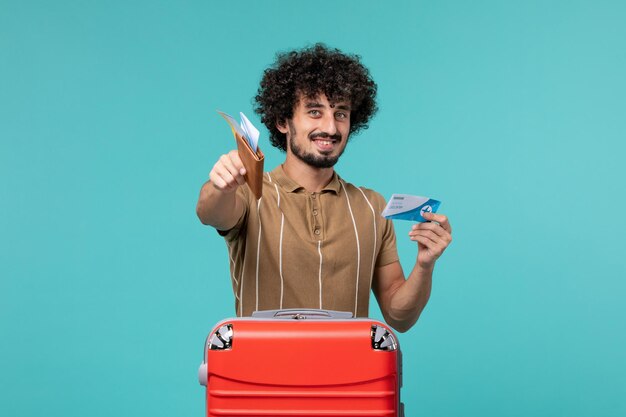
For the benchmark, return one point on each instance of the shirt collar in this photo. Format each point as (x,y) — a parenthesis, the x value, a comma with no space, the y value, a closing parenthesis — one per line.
(289,185)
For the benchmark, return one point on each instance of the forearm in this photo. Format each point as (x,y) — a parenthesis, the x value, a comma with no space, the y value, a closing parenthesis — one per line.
(410,298)
(218,208)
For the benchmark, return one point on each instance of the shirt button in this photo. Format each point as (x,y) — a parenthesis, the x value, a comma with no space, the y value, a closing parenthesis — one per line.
(317,231)
(315,212)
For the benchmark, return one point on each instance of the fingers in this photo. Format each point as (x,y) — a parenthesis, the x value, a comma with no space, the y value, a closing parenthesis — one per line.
(431,236)
(228,172)
(439,218)
(425,240)
(433,250)
(437,229)
(431,247)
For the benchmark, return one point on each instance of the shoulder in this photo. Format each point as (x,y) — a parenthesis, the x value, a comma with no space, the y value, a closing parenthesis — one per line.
(373,197)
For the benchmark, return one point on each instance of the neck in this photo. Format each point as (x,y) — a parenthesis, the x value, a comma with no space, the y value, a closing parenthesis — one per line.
(312,179)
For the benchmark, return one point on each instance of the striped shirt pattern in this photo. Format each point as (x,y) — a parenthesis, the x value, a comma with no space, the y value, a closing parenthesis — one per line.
(296,249)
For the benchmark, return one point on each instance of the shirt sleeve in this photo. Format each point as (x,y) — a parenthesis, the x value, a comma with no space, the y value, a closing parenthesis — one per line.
(388,251)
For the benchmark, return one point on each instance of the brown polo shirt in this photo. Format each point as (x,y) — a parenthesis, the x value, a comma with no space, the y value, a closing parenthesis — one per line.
(296,249)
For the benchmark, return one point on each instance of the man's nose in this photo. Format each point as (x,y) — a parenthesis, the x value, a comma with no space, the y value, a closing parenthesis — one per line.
(329,125)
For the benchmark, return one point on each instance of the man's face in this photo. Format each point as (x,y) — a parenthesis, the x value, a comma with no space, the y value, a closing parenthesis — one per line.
(318,132)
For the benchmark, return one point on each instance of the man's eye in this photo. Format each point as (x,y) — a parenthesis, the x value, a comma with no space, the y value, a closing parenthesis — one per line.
(341,115)
(314,113)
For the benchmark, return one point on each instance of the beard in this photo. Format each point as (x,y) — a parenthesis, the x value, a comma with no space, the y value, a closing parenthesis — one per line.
(315,161)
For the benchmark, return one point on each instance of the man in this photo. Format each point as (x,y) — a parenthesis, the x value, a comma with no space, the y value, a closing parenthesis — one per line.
(314,240)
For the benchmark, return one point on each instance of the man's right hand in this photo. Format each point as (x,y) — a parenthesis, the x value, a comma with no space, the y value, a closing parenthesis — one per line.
(228,172)
(218,204)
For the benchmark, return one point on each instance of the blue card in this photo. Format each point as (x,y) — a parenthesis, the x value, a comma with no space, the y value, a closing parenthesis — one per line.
(409,207)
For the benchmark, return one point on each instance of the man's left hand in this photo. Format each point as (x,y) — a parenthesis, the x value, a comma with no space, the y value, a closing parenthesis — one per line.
(432,237)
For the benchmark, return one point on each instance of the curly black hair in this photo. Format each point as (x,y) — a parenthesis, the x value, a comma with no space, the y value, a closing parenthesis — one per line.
(309,72)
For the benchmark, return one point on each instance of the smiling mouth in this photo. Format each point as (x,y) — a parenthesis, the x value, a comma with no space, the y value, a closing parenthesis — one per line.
(325,141)
(325,145)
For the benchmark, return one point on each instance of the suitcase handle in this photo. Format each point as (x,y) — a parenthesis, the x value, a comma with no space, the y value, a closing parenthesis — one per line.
(301,314)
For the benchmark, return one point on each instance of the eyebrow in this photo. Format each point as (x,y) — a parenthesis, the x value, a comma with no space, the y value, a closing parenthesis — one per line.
(316,105)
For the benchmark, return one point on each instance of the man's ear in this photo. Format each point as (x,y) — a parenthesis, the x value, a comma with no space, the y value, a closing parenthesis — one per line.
(282,126)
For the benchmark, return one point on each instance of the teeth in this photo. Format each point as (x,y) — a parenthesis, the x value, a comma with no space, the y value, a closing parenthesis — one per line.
(325,142)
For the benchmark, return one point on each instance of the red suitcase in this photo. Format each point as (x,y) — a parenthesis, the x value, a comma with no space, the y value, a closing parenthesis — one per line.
(302,363)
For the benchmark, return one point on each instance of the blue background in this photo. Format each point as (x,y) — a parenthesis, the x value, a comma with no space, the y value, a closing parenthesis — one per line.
(511,113)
